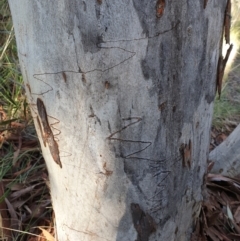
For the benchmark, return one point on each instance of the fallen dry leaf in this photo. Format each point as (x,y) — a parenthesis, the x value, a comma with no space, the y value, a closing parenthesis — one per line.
(15,222)
(237,215)
(4,218)
(220,213)
(220,138)
(47,235)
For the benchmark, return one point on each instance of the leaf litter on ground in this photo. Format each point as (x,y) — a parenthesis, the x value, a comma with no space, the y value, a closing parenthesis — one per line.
(220,213)
(25,206)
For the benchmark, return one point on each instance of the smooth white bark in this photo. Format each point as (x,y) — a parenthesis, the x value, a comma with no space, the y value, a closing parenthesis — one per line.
(137,89)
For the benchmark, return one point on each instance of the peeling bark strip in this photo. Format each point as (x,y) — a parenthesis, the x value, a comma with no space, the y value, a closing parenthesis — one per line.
(143,223)
(40,127)
(227,22)
(46,132)
(186,151)
(160,8)
(220,73)
(223,61)
(221,68)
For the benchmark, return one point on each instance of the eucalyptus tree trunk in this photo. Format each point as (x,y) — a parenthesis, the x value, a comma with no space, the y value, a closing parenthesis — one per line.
(128,86)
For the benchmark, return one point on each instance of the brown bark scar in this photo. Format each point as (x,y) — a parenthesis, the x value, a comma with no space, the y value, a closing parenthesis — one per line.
(186,151)
(107,85)
(107,172)
(84,78)
(47,134)
(162,106)
(220,73)
(64,76)
(160,8)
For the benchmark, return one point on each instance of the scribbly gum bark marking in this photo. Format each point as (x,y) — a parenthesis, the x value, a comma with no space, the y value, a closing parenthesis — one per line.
(186,152)
(160,8)
(131,81)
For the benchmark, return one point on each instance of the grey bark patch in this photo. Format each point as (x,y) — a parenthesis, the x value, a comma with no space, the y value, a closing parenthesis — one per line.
(90,39)
(89,35)
(143,9)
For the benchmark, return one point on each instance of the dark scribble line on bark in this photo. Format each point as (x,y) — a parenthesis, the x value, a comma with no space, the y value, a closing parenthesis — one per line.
(131,155)
(109,68)
(133,53)
(144,38)
(138,119)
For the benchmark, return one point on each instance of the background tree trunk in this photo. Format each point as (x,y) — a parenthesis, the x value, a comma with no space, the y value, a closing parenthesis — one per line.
(226,155)
(132,85)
